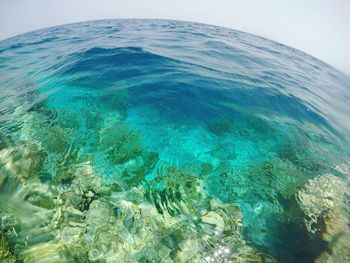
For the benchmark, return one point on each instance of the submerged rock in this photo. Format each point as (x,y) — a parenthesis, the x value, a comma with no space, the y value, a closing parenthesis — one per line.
(324,202)
(321,199)
(120,143)
(79,218)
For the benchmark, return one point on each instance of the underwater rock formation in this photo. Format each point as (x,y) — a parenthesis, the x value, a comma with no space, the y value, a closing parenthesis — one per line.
(56,206)
(84,220)
(323,201)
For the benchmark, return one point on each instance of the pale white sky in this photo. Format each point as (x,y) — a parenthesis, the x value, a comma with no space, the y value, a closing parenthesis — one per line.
(318,27)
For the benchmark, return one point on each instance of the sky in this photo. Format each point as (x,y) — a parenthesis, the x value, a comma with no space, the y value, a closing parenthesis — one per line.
(320,28)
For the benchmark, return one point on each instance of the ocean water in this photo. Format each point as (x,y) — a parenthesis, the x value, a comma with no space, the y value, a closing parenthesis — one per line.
(168,141)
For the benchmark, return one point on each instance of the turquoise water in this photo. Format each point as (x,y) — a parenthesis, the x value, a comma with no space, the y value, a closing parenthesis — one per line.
(199,124)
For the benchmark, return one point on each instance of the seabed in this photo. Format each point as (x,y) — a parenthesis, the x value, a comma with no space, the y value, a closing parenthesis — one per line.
(56,208)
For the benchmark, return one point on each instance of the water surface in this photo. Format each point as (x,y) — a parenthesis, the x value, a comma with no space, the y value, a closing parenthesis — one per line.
(167,141)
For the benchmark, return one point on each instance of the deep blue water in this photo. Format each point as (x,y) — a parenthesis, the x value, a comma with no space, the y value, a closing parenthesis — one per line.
(253,119)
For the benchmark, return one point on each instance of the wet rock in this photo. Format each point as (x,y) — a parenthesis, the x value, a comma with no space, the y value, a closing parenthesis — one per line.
(215,220)
(86,179)
(168,219)
(22,163)
(324,203)
(322,198)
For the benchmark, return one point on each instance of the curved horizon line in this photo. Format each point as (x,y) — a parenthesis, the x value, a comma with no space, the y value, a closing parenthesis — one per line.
(182,21)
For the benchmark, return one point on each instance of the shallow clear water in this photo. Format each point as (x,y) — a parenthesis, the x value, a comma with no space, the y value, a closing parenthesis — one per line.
(229,141)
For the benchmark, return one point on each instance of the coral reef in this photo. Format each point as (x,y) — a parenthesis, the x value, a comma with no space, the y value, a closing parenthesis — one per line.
(85,220)
(324,202)
(70,194)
